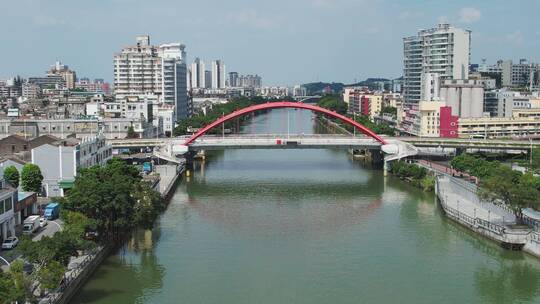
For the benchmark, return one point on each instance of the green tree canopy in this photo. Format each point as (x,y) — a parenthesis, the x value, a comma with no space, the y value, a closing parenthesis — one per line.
(12,176)
(31,178)
(334,103)
(131,133)
(114,197)
(51,275)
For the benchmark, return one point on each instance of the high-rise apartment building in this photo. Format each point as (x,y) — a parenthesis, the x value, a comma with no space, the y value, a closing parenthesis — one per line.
(233,79)
(521,74)
(218,74)
(63,70)
(443,50)
(207,79)
(143,69)
(197,74)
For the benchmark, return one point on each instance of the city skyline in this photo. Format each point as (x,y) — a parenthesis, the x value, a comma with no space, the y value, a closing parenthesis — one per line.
(285,46)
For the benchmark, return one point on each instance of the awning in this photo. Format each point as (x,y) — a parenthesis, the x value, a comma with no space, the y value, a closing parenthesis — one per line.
(66,184)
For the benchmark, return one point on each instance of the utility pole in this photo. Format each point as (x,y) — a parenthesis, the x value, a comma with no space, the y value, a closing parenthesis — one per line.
(223,126)
(287,123)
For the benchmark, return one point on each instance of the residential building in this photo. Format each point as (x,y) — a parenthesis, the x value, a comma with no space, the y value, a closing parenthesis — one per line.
(111,128)
(161,70)
(443,50)
(30,91)
(218,74)
(59,161)
(429,118)
(233,80)
(273,92)
(18,145)
(491,69)
(8,199)
(197,74)
(499,127)
(520,75)
(49,81)
(63,71)
(96,85)
(365,102)
(249,81)
(208,79)
(299,90)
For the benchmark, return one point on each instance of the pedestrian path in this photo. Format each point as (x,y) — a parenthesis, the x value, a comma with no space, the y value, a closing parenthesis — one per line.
(461,196)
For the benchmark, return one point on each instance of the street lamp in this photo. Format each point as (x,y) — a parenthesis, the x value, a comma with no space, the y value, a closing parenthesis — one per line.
(531,153)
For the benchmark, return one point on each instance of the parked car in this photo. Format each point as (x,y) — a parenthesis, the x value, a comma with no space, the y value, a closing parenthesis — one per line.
(42,222)
(10,243)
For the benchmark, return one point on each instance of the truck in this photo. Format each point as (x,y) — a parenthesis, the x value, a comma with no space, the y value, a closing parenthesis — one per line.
(31,224)
(52,211)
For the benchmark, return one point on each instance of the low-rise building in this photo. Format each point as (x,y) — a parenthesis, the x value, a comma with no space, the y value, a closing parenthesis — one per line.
(8,199)
(59,161)
(489,127)
(365,103)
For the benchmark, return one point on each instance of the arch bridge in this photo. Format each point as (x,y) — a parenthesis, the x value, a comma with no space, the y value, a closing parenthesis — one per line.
(393,149)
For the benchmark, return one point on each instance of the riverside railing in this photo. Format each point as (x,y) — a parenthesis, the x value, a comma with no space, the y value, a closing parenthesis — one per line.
(466,218)
(70,276)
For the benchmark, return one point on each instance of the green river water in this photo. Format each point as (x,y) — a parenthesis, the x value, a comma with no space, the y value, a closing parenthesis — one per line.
(306,226)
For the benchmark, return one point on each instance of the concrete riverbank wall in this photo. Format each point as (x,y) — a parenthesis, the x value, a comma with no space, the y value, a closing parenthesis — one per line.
(461,204)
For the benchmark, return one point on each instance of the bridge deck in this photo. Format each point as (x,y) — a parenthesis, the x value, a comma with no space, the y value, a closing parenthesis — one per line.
(324,141)
(284,142)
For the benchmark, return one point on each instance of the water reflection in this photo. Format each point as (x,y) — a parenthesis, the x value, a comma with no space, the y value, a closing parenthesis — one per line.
(133,274)
(508,282)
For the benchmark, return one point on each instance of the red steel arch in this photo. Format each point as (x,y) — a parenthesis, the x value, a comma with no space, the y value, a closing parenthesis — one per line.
(284,104)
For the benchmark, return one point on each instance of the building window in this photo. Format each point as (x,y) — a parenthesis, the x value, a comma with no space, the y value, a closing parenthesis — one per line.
(8,204)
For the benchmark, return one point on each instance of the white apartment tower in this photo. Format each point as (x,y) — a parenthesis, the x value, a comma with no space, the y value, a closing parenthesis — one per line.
(443,50)
(144,69)
(197,74)
(218,74)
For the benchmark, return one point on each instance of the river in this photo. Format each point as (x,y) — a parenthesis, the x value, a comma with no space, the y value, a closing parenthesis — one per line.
(306,226)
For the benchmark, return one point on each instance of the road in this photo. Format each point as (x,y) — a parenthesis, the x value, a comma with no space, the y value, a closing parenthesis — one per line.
(49,230)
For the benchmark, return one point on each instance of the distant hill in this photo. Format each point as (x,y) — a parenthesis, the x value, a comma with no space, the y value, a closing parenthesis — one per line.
(316,88)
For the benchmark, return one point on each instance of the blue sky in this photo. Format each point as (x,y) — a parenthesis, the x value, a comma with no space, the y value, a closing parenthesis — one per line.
(284,41)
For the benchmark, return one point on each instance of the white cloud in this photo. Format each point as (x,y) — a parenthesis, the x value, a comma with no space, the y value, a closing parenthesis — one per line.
(252,18)
(469,15)
(515,37)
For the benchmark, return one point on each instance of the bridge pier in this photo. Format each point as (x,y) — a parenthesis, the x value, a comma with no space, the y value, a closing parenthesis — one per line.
(377,156)
(190,157)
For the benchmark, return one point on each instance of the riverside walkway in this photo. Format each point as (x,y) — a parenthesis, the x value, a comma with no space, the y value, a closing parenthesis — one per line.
(460,202)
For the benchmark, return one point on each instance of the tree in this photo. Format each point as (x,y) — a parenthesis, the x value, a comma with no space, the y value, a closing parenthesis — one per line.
(10,291)
(511,188)
(148,205)
(51,275)
(12,176)
(31,178)
(334,103)
(131,133)
(113,198)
